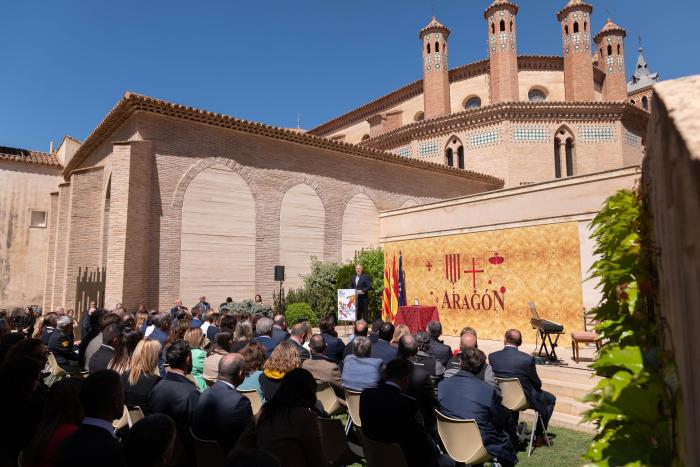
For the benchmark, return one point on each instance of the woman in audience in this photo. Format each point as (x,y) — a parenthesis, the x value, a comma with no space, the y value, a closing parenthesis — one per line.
(48,327)
(242,335)
(121,362)
(177,331)
(143,375)
(287,427)
(400,331)
(283,359)
(38,327)
(129,321)
(62,415)
(195,337)
(254,355)
(150,442)
(30,347)
(228,322)
(220,347)
(141,318)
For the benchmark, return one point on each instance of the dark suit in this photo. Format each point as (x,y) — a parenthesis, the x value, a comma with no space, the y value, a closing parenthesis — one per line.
(388,416)
(221,414)
(465,396)
(334,348)
(279,335)
(139,393)
(422,390)
(46,334)
(268,344)
(101,358)
(362,283)
(211,332)
(383,351)
(441,352)
(303,352)
(61,346)
(89,446)
(511,363)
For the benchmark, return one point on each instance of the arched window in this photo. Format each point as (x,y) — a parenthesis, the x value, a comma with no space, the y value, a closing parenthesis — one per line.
(493,28)
(427,47)
(419,116)
(460,157)
(645,103)
(365,137)
(566,29)
(511,26)
(609,50)
(569,157)
(632,102)
(450,159)
(536,95)
(618,49)
(454,153)
(437,46)
(557,158)
(575,27)
(585,26)
(472,103)
(503,26)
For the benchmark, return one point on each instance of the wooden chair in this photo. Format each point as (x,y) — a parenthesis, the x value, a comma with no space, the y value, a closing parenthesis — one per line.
(462,440)
(352,398)
(514,399)
(328,399)
(135,414)
(254,398)
(208,452)
(383,454)
(585,337)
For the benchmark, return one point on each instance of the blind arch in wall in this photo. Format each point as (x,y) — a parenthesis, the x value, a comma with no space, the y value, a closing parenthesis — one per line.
(360,226)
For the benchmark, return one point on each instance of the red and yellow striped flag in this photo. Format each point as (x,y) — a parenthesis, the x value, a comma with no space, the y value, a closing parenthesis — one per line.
(386,296)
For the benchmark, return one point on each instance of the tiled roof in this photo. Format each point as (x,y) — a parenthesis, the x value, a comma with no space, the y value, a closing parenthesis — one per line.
(434,24)
(28,157)
(610,27)
(499,3)
(573,4)
(132,103)
(642,77)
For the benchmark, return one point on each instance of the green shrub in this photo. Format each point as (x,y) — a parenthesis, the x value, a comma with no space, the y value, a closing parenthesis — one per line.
(320,289)
(249,306)
(296,311)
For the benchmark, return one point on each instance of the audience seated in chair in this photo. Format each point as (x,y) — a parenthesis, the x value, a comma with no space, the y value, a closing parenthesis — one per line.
(321,367)
(360,371)
(297,337)
(420,386)
(150,442)
(360,329)
(143,375)
(102,399)
(425,360)
(374,332)
(511,363)
(254,356)
(279,330)
(111,339)
(61,343)
(438,349)
(105,319)
(220,346)
(334,346)
(468,340)
(283,360)
(382,349)
(390,416)
(263,330)
(466,396)
(222,413)
(287,426)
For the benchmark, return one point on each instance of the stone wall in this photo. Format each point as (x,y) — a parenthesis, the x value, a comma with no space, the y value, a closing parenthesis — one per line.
(672,184)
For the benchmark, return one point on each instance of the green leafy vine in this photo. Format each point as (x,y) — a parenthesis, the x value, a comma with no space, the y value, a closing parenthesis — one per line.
(634,404)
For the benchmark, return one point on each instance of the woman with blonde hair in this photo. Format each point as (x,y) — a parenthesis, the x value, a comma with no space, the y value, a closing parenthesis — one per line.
(400,331)
(195,337)
(283,359)
(143,375)
(242,335)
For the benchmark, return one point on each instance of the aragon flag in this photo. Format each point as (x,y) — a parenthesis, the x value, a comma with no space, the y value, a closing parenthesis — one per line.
(386,296)
(394,290)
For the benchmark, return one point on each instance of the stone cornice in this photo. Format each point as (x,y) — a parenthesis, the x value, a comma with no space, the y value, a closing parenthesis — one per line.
(510,111)
(132,103)
(525,62)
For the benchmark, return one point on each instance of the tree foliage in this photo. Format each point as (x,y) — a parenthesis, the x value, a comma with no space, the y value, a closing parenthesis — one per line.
(635,401)
(297,311)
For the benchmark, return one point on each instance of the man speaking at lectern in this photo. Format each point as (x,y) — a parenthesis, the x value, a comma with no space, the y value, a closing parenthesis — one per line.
(361,284)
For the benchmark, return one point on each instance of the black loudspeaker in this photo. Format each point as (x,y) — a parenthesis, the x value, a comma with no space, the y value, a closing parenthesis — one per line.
(279,273)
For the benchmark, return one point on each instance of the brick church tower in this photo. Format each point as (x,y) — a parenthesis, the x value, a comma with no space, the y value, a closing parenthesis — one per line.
(575,19)
(610,42)
(436,80)
(503,58)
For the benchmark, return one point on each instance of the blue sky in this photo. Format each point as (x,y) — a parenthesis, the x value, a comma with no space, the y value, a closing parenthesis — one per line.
(66,63)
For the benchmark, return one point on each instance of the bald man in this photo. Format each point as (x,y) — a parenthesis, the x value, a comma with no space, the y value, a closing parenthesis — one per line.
(279,330)
(512,363)
(222,412)
(468,341)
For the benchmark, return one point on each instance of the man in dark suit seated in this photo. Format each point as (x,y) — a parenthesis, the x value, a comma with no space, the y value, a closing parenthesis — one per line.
(421,385)
(334,346)
(93,443)
(263,330)
(61,343)
(360,330)
(279,330)
(511,363)
(298,336)
(176,396)
(390,416)
(466,396)
(222,412)
(322,368)
(468,340)
(382,349)
(438,349)
(427,361)
(374,333)
(111,338)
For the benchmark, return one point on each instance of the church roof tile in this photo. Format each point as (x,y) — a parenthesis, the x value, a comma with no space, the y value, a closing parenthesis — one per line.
(29,157)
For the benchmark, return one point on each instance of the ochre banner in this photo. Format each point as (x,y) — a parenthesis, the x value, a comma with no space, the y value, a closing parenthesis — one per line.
(486,279)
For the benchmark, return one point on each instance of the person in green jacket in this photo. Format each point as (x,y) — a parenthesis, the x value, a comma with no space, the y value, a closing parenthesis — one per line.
(195,337)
